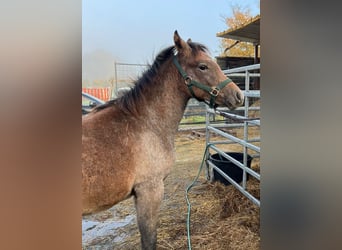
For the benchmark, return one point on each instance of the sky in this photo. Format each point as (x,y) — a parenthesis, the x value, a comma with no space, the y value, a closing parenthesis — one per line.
(134,31)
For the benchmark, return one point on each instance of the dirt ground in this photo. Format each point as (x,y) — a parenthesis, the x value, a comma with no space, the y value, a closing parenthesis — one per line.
(221,217)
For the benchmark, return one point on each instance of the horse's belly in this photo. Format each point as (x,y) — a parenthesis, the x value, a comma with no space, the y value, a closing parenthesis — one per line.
(100,193)
(105,179)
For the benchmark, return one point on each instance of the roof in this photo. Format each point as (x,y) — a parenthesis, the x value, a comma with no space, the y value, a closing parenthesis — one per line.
(248,32)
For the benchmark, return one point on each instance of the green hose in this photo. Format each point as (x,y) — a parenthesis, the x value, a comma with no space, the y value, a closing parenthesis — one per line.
(187,198)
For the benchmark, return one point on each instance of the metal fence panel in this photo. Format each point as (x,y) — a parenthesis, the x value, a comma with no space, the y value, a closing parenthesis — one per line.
(244,121)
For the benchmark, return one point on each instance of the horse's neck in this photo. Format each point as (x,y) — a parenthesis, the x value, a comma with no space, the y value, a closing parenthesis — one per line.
(165,103)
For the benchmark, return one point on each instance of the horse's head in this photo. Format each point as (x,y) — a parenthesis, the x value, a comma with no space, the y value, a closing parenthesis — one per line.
(203,77)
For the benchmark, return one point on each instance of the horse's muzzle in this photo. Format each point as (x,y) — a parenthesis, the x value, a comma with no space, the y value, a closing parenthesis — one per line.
(234,97)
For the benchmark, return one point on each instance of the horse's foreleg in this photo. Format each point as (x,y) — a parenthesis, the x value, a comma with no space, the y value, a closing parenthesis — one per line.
(148,197)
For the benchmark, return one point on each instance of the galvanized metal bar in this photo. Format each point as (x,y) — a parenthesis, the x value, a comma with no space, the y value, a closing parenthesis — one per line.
(228,125)
(241,69)
(245,129)
(220,109)
(233,138)
(243,75)
(231,142)
(207,138)
(116,78)
(223,109)
(238,117)
(236,162)
(254,122)
(235,184)
(252,93)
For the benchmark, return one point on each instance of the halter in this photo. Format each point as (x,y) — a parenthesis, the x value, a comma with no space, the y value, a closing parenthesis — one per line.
(189,82)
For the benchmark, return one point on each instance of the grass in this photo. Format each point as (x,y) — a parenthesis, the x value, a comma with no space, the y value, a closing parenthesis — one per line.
(198,119)
(193,119)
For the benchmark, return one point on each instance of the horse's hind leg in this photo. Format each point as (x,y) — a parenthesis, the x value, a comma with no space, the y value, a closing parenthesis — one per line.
(148,197)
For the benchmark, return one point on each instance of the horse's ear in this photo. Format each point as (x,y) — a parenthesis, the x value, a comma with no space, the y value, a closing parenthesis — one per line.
(189,40)
(181,46)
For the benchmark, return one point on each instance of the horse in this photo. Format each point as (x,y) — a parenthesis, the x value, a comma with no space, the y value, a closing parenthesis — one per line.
(128,142)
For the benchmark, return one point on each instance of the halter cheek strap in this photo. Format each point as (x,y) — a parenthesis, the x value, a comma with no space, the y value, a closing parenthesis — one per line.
(189,82)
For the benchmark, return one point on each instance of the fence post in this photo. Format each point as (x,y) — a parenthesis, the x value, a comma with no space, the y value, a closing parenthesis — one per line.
(116,78)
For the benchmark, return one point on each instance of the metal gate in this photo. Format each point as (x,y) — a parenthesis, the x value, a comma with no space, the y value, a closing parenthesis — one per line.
(126,74)
(220,134)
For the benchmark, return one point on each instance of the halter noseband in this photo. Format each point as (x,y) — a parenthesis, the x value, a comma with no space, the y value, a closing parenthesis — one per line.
(189,82)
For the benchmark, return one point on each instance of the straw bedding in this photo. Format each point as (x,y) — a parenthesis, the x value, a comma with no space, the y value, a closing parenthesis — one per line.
(221,217)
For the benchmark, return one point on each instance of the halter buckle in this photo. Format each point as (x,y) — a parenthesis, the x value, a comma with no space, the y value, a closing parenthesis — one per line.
(214,92)
(187,80)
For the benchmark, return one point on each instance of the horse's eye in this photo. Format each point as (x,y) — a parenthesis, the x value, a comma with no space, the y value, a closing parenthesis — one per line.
(203,67)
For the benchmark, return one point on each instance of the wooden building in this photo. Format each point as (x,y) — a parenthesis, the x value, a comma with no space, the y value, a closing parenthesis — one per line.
(248,32)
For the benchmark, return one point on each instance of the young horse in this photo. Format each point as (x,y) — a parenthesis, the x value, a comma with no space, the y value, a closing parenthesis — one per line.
(128,143)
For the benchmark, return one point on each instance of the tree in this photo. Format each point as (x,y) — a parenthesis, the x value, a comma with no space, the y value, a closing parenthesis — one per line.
(232,47)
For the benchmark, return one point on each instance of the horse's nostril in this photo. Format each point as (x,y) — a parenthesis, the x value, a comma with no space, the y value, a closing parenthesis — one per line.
(239,97)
